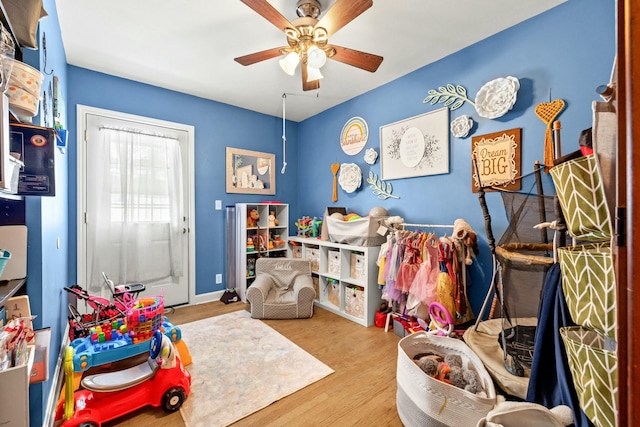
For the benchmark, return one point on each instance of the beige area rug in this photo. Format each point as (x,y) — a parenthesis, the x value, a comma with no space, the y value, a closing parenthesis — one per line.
(241,365)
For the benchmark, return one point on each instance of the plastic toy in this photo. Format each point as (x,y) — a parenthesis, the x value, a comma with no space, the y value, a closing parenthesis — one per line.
(277,241)
(160,381)
(113,343)
(304,226)
(316,225)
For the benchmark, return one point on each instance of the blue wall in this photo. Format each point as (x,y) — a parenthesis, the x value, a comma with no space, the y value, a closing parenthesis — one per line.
(217,126)
(568,52)
(47,218)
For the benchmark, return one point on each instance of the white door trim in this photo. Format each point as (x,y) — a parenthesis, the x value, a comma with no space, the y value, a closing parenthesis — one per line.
(82,111)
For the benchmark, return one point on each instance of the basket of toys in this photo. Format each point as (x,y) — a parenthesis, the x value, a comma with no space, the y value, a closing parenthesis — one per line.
(145,317)
(441,381)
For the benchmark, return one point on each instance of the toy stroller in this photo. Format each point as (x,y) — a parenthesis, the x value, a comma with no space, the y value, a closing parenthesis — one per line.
(99,310)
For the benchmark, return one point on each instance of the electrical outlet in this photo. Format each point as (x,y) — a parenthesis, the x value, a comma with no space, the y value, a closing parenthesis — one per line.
(218,279)
(218,205)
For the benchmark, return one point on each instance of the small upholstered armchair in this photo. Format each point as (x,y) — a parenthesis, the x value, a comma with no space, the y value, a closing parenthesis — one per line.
(283,289)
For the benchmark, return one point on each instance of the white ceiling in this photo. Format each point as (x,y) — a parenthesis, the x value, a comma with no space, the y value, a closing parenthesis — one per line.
(189,46)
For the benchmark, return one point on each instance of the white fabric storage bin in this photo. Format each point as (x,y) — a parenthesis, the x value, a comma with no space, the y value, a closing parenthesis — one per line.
(359,232)
(423,401)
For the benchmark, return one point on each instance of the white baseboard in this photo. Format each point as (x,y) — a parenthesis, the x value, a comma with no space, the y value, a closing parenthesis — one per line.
(57,383)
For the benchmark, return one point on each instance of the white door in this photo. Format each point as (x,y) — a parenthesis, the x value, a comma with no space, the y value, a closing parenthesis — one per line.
(134,195)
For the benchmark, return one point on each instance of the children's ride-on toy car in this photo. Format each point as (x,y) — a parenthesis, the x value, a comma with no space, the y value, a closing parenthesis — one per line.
(160,381)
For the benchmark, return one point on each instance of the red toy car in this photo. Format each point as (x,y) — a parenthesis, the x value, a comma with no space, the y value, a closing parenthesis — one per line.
(160,381)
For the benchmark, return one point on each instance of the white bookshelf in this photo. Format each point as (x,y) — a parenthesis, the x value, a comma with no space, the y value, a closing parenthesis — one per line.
(246,257)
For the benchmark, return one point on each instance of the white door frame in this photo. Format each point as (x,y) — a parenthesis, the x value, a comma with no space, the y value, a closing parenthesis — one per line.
(82,111)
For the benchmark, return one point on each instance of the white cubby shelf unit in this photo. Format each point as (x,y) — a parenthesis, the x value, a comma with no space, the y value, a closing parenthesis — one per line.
(345,277)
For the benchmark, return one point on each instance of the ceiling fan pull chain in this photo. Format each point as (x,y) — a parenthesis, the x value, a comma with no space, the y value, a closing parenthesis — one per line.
(284,134)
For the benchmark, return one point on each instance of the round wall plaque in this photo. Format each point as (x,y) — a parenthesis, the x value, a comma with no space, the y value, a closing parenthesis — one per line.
(354,135)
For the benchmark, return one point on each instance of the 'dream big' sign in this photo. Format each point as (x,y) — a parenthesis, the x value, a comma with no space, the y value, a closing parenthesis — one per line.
(497,159)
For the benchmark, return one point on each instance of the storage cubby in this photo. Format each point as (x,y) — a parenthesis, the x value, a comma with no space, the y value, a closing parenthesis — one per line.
(265,238)
(346,275)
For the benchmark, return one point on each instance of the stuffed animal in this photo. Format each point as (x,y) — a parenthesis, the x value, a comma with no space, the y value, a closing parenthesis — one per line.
(464,235)
(450,370)
(273,221)
(428,365)
(453,359)
(384,307)
(473,384)
(456,377)
(252,218)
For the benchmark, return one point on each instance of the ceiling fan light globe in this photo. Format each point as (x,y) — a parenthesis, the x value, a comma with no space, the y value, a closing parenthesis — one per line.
(313,73)
(316,57)
(289,63)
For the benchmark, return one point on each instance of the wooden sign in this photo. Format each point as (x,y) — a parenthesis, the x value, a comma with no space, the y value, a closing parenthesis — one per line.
(498,160)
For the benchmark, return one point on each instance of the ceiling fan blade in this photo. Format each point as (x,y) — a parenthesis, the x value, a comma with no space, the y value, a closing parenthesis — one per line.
(252,58)
(268,12)
(312,85)
(341,13)
(356,58)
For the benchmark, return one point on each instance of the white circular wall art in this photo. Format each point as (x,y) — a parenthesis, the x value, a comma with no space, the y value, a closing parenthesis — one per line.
(354,135)
(370,156)
(350,177)
(461,126)
(411,147)
(496,97)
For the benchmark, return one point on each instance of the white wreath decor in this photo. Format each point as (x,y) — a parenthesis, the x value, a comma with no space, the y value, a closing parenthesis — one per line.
(370,156)
(461,126)
(350,177)
(496,97)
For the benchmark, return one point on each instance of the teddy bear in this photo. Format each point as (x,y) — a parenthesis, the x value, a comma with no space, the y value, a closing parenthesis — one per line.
(252,218)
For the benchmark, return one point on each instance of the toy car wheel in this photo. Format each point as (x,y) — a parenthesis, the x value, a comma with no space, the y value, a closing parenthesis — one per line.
(173,399)
(88,425)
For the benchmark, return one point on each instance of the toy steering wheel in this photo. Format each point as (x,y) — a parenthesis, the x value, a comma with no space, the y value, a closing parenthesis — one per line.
(441,316)
(156,344)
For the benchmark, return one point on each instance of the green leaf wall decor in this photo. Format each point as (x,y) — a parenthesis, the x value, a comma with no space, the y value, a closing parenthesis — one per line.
(451,96)
(380,188)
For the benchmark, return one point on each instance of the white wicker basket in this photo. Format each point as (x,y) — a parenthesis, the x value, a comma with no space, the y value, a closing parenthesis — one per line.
(423,401)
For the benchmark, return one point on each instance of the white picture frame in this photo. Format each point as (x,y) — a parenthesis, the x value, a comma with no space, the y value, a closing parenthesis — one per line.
(417,146)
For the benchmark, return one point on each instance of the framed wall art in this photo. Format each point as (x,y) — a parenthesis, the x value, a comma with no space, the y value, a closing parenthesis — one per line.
(418,146)
(250,172)
(498,158)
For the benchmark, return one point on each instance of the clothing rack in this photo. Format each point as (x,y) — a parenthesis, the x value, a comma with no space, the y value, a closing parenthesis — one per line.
(404,224)
(402,227)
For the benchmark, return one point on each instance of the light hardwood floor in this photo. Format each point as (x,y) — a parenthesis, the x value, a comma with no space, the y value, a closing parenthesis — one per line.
(361,391)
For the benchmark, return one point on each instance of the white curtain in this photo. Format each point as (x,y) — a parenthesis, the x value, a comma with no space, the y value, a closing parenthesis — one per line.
(134,205)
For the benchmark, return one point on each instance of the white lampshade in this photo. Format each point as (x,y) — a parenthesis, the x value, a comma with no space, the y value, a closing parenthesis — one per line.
(313,73)
(289,63)
(316,57)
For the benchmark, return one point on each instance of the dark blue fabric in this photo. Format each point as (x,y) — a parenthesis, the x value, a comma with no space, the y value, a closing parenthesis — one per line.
(550,383)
